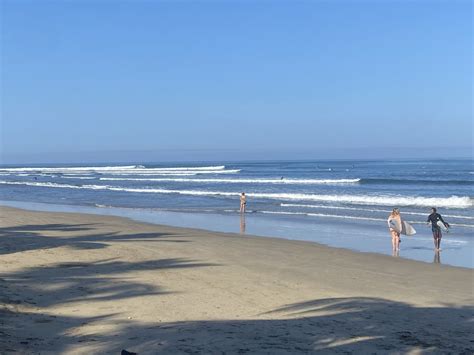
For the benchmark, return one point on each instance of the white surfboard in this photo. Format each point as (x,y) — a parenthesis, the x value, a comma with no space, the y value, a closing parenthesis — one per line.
(442,226)
(393,223)
(405,228)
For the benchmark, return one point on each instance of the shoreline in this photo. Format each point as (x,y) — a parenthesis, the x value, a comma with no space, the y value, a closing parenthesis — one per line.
(75,283)
(366,238)
(194,230)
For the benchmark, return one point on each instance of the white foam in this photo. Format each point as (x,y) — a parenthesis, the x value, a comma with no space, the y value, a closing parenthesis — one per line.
(219,167)
(148,172)
(196,170)
(101,206)
(282,212)
(75,174)
(348,217)
(78,177)
(105,169)
(453,201)
(367,210)
(55,185)
(73,169)
(170,173)
(324,215)
(461,225)
(244,181)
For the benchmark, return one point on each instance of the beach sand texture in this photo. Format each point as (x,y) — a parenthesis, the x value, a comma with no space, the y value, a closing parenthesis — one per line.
(75,283)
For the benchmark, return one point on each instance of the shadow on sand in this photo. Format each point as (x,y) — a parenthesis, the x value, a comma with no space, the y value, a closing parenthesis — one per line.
(345,325)
(62,283)
(339,325)
(34,237)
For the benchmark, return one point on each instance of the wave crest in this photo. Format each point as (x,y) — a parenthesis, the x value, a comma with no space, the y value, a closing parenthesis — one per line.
(449,202)
(244,181)
(107,169)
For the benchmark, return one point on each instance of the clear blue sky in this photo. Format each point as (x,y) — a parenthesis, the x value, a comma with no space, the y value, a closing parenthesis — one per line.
(210,80)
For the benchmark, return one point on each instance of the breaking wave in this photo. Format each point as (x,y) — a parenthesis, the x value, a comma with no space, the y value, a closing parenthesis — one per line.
(79,177)
(450,202)
(108,169)
(244,181)
(349,217)
(367,210)
(368,181)
(151,172)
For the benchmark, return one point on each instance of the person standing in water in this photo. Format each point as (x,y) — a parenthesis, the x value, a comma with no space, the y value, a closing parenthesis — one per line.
(394,222)
(243,202)
(433,218)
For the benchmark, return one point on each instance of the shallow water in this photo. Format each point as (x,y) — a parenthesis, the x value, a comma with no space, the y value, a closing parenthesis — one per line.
(339,203)
(366,236)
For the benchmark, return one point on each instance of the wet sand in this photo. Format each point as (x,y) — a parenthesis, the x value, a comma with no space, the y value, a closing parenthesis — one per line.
(76,283)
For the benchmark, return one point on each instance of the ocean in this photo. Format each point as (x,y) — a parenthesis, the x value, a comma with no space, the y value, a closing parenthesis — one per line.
(338,203)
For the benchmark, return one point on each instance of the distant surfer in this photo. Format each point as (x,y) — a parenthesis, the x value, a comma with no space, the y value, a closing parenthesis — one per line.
(394,222)
(434,218)
(243,202)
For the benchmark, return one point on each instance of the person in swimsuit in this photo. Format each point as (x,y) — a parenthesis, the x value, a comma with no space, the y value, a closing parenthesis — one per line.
(243,202)
(433,218)
(396,219)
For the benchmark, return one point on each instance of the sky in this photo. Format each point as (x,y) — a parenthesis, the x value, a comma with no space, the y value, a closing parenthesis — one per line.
(235,80)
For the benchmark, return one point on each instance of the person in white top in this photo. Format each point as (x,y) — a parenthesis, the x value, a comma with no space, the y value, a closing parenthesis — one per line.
(394,225)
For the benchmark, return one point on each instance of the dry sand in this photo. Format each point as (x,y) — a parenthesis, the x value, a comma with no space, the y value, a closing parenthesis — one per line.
(72,283)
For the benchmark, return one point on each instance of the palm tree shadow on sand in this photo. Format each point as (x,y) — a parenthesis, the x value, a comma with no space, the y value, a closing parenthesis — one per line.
(35,237)
(343,325)
(338,325)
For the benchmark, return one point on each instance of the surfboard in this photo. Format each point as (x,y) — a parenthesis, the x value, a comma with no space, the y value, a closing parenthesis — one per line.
(405,228)
(393,223)
(442,226)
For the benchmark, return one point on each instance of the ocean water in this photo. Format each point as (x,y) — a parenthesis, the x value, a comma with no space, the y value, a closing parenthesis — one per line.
(339,203)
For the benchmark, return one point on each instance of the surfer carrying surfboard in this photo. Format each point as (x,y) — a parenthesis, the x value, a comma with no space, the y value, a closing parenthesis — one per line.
(394,225)
(435,219)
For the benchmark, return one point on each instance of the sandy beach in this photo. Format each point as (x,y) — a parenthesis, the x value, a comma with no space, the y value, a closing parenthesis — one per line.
(77,283)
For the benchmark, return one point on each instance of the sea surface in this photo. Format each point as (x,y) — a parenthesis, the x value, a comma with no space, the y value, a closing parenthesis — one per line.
(338,203)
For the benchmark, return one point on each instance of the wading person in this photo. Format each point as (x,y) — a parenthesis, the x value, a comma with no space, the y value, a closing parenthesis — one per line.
(243,202)
(434,218)
(394,222)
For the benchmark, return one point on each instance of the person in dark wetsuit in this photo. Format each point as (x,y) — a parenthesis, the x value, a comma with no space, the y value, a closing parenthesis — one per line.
(433,218)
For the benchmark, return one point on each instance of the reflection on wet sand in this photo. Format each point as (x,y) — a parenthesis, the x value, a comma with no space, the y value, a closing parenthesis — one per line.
(242,224)
(437,257)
